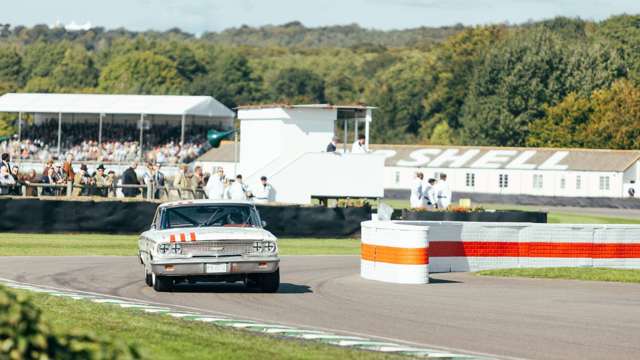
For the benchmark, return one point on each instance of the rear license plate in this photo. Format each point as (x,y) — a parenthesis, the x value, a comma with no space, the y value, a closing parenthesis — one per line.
(216,268)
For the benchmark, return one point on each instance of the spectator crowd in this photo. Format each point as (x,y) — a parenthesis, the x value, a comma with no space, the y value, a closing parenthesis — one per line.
(119,143)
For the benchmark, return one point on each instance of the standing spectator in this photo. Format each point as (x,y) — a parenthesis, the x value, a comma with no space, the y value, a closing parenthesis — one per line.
(158,180)
(67,167)
(59,174)
(238,190)
(216,185)
(181,180)
(265,192)
(428,194)
(333,145)
(6,180)
(48,165)
(5,161)
(31,178)
(17,188)
(443,193)
(416,191)
(49,179)
(102,181)
(84,182)
(129,177)
(359,146)
(113,179)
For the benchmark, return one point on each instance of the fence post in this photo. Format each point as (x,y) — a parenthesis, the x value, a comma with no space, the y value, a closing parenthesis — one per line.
(24,190)
(69,188)
(149,190)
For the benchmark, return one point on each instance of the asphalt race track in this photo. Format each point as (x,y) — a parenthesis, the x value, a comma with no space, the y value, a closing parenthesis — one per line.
(523,318)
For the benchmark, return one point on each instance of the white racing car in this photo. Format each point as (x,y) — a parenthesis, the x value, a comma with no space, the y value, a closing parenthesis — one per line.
(209,241)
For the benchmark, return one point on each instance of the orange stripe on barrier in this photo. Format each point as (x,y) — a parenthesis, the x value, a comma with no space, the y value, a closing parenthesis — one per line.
(395,255)
(192,235)
(172,238)
(183,237)
(534,249)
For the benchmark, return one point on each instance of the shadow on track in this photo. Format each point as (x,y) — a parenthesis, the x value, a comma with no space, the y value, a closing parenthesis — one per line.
(226,288)
(442,281)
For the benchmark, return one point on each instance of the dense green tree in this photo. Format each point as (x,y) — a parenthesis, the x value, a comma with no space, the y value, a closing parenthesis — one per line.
(295,85)
(142,72)
(10,64)
(40,58)
(563,125)
(230,80)
(76,70)
(623,33)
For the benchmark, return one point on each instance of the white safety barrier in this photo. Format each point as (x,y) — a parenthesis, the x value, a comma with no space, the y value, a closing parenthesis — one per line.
(394,252)
(474,246)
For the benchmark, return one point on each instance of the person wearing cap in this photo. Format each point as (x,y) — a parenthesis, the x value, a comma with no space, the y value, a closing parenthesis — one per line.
(83,182)
(265,192)
(428,194)
(102,181)
(333,145)
(359,146)
(443,193)
(416,191)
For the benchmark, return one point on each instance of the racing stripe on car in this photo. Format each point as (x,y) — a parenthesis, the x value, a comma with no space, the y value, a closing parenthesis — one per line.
(172,238)
(183,237)
(192,235)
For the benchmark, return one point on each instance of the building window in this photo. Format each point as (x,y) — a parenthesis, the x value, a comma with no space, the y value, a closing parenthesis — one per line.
(537,181)
(563,183)
(604,183)
(503,181)
(397,177)
(471,180)
(578,182)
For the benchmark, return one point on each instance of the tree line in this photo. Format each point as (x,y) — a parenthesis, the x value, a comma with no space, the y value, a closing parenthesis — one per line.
(558,82)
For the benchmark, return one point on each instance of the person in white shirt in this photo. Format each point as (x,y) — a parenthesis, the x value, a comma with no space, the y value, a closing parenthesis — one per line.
(416,191)
(359,146)
(428,194)
(443,192)
(265,192)
(238,190)
(216,185)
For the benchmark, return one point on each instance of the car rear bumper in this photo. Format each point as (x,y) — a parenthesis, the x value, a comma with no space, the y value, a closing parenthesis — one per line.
(199,266)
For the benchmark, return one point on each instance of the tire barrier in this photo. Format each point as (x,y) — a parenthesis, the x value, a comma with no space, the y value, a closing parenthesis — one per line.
(133,217)
(479,216)
(394,252)
(474,246)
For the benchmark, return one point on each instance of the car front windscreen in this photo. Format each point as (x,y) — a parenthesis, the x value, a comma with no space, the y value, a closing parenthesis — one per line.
(210,216)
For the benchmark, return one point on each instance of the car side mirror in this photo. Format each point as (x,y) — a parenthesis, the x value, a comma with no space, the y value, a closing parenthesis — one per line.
(264,223)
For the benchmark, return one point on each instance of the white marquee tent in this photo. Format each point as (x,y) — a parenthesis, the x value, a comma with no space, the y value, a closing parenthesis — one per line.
(174,107)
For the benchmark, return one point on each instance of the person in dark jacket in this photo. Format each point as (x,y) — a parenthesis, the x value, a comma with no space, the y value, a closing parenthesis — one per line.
(129,177)
(333,145)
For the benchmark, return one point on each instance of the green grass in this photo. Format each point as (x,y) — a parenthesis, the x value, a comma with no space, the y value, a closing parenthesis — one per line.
(589,274)
(163,337)
(12,244)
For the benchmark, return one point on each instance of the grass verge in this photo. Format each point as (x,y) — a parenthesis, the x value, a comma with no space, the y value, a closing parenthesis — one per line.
(163,337)
(588,274)
(12,244)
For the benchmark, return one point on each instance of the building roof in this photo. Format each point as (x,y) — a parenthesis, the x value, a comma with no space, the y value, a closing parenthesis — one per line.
(223,153)
(114,104)
(425,156)
(307,106)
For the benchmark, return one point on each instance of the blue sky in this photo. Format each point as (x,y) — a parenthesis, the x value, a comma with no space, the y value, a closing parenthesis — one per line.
(197,16)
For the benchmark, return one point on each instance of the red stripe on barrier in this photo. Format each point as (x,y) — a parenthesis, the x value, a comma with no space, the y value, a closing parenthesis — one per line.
(192,235)
(172,238)
(183,237)
(533,249)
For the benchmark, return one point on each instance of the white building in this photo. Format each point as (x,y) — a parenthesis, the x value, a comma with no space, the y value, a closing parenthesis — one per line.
(516,171)
(494,170)
(287,145)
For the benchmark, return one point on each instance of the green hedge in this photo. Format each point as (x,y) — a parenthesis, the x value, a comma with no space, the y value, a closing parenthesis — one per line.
(24,335)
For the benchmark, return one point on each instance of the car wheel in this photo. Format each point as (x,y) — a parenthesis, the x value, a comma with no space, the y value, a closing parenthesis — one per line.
(162,283)
(269,282)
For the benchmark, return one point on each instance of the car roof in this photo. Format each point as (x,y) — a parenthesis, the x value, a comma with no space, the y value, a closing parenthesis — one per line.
(206,202)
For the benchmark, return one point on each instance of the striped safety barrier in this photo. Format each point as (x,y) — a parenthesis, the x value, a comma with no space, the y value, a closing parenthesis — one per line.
(475,246)
(394,252)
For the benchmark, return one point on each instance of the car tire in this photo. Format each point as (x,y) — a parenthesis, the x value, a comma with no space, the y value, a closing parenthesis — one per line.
(162,283)
(269,282)
(148,278)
